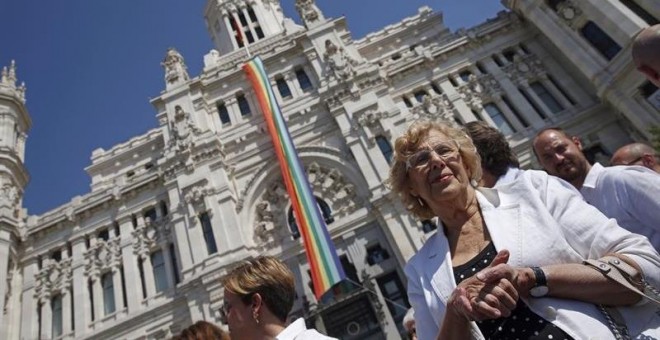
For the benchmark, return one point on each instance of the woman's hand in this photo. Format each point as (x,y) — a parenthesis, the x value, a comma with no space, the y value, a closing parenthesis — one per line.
(478,299)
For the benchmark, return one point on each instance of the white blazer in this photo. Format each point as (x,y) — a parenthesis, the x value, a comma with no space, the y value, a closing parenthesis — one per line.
(541,220)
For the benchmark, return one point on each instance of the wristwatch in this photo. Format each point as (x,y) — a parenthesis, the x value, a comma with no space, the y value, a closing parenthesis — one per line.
(540,289)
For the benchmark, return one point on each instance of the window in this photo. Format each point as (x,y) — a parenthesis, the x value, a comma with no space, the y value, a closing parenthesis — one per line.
(640,12)
(497,60)
(160,274)
(242,19)
(104,235)
(600,40)
(90,291)
(515,111)
(481,68)
(385,148)
(435,88)
(56,308)
(407,102)
(223,114)
(376,254)
(532,103)
(177,279)
(303,80)
(142,280)
(123,286)
(326,212)
(260,32)
(283,87)
(546,97)
(243,105)
(207,230)
(499,119)
(419,95)
(428,226)
(163,208)
(563,93)
(108,294)
(509,54)
(253,17)
(150,214)
(56,256)
(465,75)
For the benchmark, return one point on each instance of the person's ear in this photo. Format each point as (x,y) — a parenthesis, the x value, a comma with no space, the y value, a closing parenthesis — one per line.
(648,160)
(257,301)
(577,142)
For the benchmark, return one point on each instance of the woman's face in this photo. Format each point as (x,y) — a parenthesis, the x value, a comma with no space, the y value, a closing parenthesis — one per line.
(436,171)
(239,317)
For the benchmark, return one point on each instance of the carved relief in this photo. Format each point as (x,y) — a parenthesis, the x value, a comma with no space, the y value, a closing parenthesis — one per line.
(271,215)
(435,107)
(151,234)
(196,193)
(53,278)
(182,130)
(309,12)
(524,69)
(102,256)
(571,14)
(338,64)
(175,67)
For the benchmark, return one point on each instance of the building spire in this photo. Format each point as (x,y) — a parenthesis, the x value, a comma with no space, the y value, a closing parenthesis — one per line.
(176,71)
(8,82)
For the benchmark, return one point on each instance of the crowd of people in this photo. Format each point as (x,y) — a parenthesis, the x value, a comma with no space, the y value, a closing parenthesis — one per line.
(519,254)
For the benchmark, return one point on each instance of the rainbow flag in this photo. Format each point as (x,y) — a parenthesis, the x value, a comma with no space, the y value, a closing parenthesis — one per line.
(324,264)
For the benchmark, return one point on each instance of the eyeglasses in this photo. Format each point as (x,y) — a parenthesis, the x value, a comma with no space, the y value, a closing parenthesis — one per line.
(421,158)
(634,161)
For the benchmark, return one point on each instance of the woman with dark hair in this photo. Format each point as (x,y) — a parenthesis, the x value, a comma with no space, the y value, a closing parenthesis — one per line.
(507,263)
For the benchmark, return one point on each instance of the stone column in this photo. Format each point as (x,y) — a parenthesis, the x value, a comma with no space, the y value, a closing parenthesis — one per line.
(510,116)
(119,293)
(537,100)
(29,311)
(46,319)
(97,293)
(67,321)
(130,264)
(460,107)
(81,298)
(5,238)
(148,276)
(556,93)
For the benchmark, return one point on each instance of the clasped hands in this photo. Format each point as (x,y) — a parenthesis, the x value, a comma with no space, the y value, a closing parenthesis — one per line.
(491,293)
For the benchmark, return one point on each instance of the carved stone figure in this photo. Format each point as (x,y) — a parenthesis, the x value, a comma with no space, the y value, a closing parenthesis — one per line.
(183,129)
(309,12)
(175,67)
(338,64)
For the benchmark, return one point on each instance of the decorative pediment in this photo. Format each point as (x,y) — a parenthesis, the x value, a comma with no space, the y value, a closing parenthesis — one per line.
(102,256)
(53,278)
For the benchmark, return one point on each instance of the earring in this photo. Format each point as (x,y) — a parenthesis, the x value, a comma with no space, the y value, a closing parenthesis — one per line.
(420,201)
(255,316)
(473,183)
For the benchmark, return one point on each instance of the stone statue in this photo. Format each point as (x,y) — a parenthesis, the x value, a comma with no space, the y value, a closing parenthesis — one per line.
(182,129)
(338,64)
(175,67)
(309,12)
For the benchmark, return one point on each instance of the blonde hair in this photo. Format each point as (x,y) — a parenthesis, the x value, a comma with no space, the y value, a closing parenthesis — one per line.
(269,277)
(407,144)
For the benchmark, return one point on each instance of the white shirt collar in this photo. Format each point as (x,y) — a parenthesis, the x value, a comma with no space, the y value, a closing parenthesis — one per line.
(292,330)
(592,176)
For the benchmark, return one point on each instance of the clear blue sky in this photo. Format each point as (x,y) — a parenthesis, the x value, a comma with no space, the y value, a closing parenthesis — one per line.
(91,66)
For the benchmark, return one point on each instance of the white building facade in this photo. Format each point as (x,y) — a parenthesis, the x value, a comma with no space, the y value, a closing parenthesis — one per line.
(141,256)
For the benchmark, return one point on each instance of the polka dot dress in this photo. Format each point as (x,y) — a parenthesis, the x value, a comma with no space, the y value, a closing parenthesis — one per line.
(522,323)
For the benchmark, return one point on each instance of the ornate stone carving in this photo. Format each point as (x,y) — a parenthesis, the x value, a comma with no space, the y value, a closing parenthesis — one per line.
(151,234)
(196,193)
(8,80)
(9,195)
(102,256)
(182,129)
(525,68)
(571,13)
(369,118)
(338,64)
(53,278)
(309,12)
(175,67)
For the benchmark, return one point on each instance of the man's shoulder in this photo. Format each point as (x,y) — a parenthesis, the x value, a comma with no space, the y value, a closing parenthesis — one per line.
(626,174)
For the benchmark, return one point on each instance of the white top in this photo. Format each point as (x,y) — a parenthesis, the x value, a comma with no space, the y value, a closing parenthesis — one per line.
(510,176)
(298,330)
(629,194)
(542,221)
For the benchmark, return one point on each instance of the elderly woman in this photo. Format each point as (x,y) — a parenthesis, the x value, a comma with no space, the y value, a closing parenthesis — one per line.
(507,262)
(258,297)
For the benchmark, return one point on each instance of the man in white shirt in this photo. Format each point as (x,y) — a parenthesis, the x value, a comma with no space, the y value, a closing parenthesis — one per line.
(629,194)
(297,330)
(637,154)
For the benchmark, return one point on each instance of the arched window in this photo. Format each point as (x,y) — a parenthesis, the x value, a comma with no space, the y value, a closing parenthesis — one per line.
(385,147)
(326,212)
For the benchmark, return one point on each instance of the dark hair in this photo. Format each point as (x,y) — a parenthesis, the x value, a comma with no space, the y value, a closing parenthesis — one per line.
(495,152)
(202,330)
